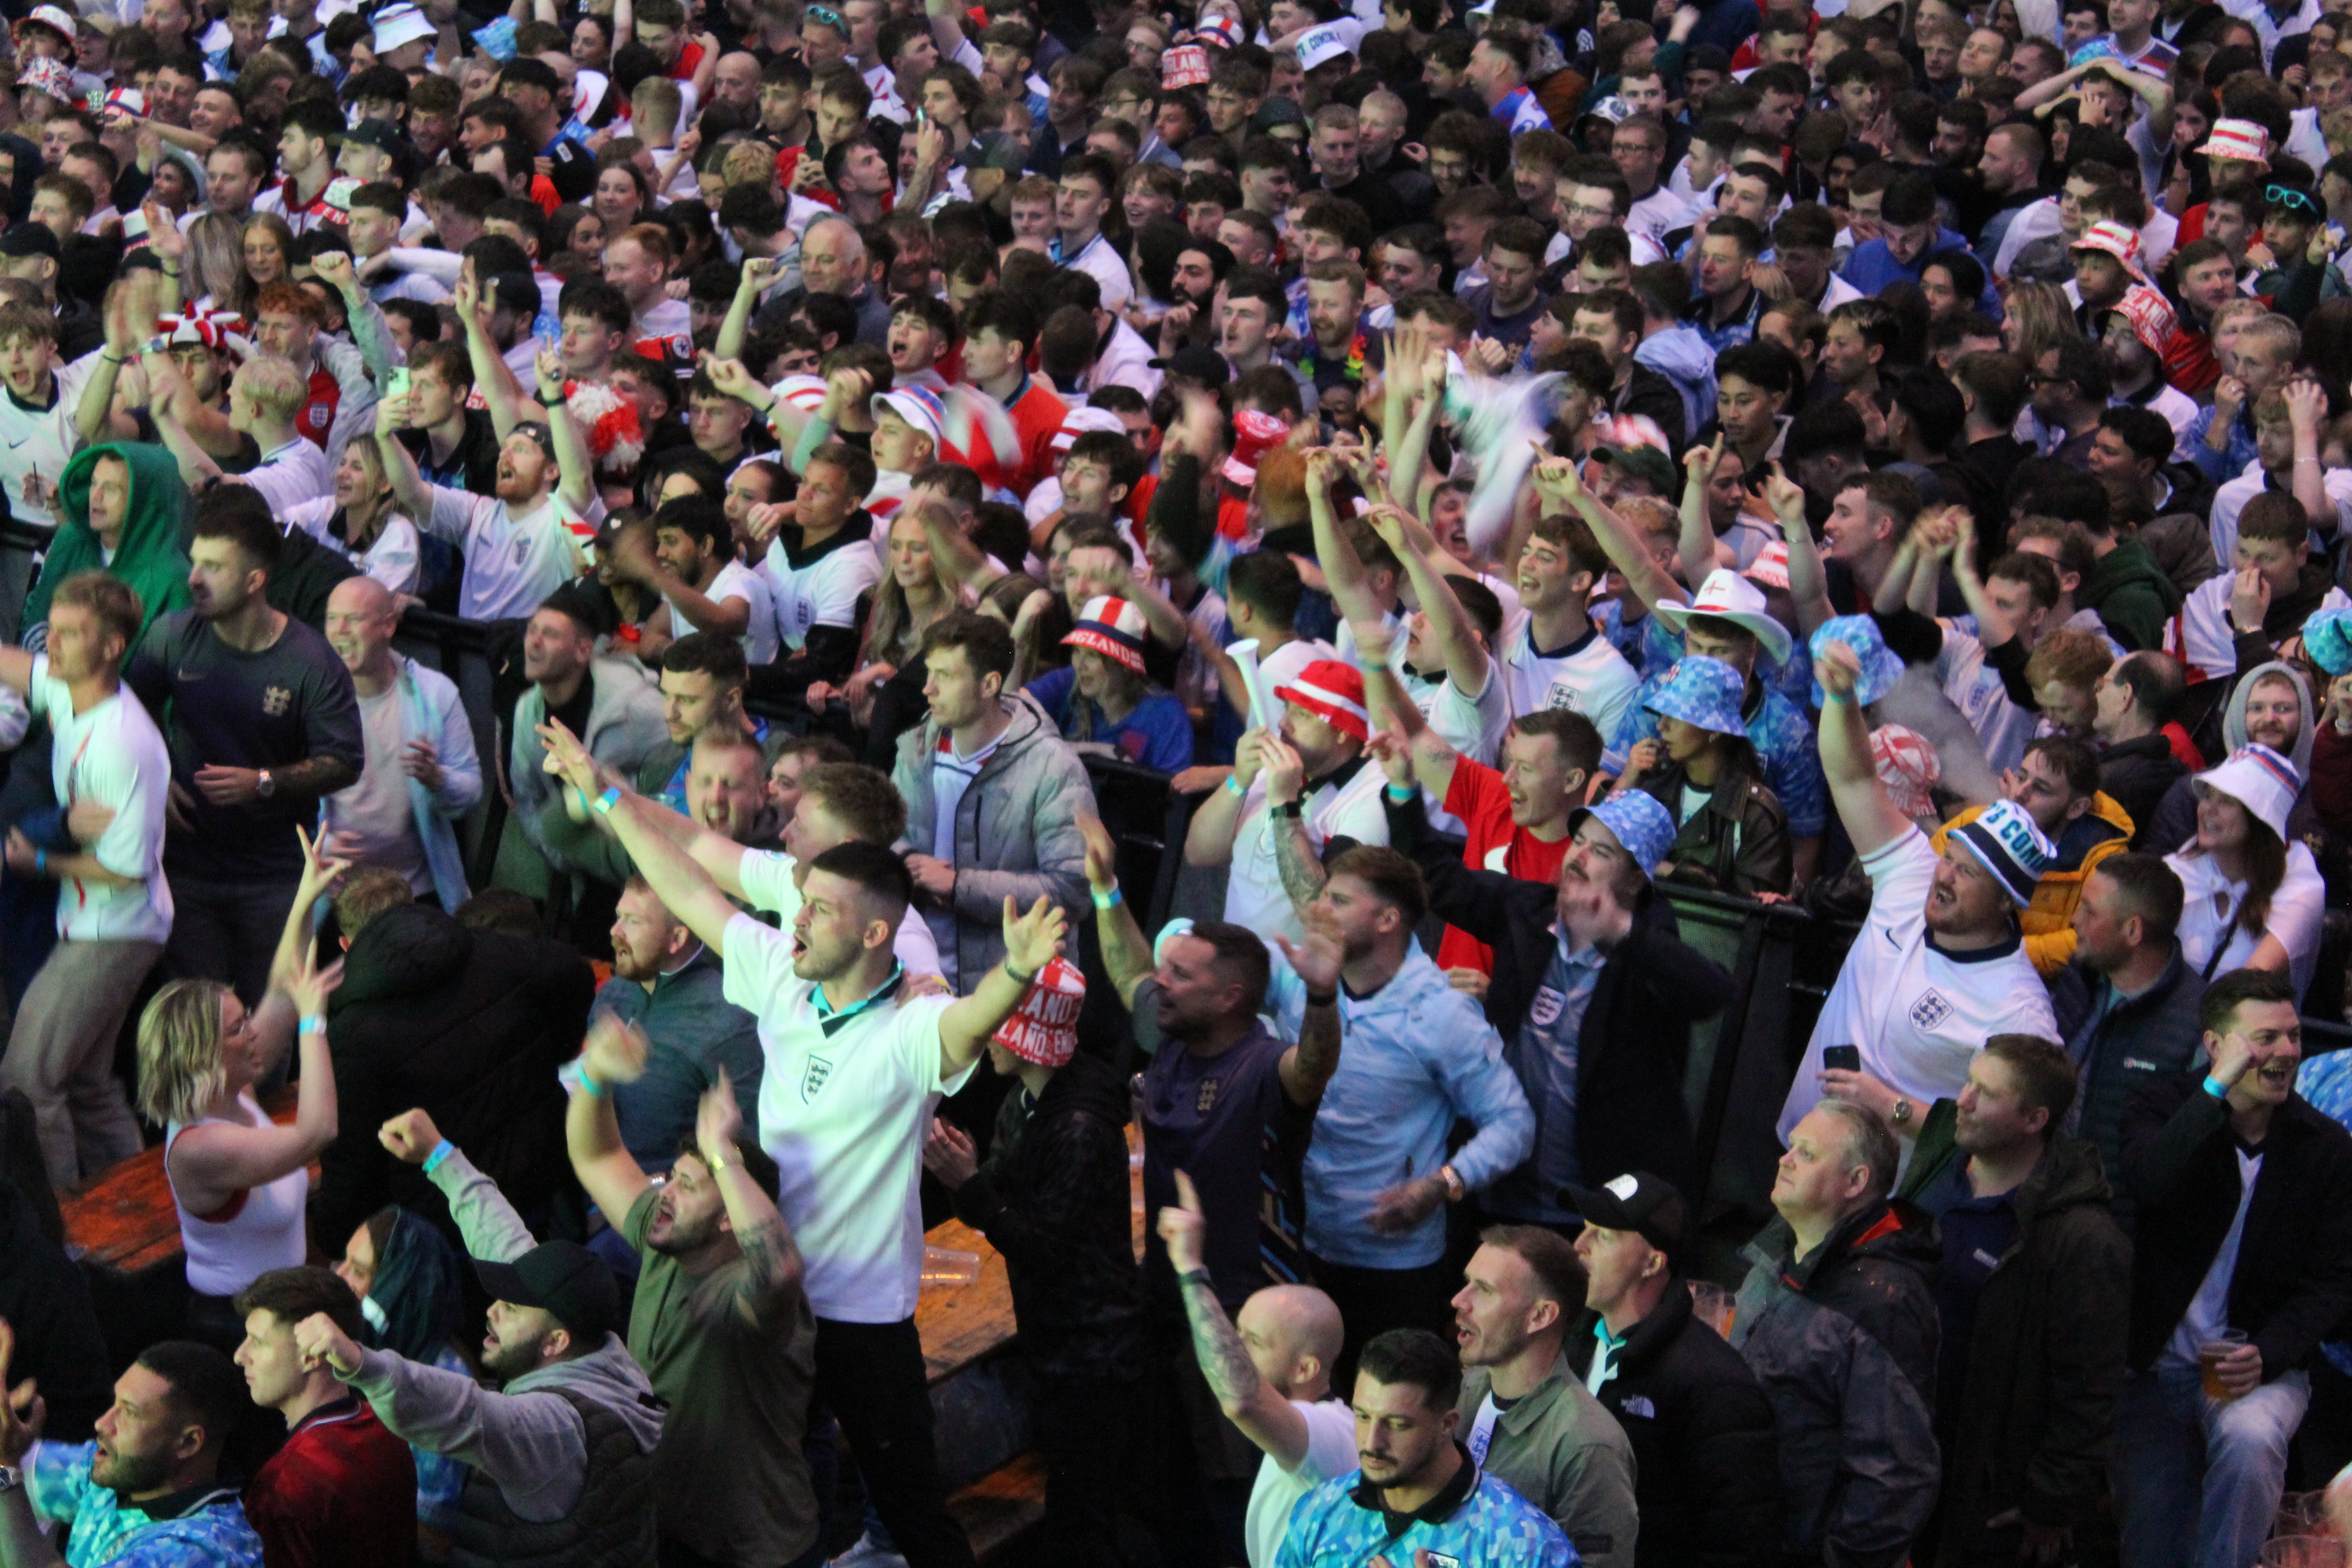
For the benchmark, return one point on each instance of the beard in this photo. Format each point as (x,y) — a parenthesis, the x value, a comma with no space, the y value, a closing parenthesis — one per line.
(507,1363)
(126,1474)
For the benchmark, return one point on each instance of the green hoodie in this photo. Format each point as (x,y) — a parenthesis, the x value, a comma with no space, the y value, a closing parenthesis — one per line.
(2132,595)
(151,557)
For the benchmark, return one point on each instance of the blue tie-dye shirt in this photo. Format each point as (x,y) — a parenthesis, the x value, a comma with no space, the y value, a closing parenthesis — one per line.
(211,1533)
(1494,1526)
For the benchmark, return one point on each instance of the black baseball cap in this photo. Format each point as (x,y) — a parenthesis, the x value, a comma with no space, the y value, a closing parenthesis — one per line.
(378,133)
(1205,366)
(1649,1205)
(517,291)
(566,1279)
(29,240)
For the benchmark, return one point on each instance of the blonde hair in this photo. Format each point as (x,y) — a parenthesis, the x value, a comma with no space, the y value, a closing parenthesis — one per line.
(274,384)
(2044,319)
(179,1069)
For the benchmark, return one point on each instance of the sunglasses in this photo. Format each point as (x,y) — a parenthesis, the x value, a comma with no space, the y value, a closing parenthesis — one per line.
(2287,196)
(829,16)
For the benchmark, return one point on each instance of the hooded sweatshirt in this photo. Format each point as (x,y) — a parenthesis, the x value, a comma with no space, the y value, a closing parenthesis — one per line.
(2131,594)
(151,557)
(2175,822)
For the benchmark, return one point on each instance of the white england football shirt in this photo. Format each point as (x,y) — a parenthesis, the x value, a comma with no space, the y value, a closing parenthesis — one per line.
(1589,677)
(845,1104)
(513,561)
(112,753)
(41,440)
(818,586)
(1254,896)
(736,580)
(1916,1013)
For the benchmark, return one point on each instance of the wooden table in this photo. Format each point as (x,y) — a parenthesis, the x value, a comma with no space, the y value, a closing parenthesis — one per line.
(123,1225)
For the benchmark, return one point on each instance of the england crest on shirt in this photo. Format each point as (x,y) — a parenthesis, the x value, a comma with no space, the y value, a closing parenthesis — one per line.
(812,1078)
(1930,1010)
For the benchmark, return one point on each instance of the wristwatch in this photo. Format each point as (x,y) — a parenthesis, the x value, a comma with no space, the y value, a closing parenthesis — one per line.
(1455,1188)
(11,1479)
(1903,1109)
(263,785)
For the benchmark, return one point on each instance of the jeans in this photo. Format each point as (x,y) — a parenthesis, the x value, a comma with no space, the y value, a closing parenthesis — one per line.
(227,931)
(871,1376)
(2196,1481)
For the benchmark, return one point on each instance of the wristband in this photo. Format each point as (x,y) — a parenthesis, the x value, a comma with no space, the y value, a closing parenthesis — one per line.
(1233,782)
(717,1162)
(1109,900)
(441,1151)
(1399,794)
(1327,999)
(1195,1277)
(40,862)
(1841,696)
(608,800)
(2216,1088)
(1015,976)
(313,1025)
(1289,808)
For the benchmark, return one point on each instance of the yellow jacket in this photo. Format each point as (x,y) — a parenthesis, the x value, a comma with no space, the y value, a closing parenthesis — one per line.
(2049,921)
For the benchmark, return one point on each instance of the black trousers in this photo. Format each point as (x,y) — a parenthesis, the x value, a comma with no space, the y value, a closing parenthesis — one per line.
(1371,1302)
(871,1376)
(1082,1426)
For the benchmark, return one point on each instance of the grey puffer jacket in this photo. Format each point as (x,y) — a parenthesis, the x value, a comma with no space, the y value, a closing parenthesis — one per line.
(1844,1342)
(1016,828)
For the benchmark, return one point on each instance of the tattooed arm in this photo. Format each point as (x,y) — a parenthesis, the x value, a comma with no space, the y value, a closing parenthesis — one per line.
(772,1265)
(1293,851)
(1249,1402)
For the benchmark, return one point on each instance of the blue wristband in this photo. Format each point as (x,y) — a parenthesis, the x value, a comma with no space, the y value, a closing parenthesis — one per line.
(441,1151)
(1109,900)
(608,800)
(1399,793)
(1234,785)
(314,1025)
(40,862)
(2216,1088)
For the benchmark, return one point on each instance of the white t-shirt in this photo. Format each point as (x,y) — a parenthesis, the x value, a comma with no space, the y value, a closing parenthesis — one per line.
(40,441)
(1254,896)
(1330,1454)
(512,562)
(767,878)
(113,754)
(819,587)
(2231,498)
(2211,901)
(736,580)
(844,1111)
(291,475)
(1591,677)
(1917,1013)
(391,560)
(377,810)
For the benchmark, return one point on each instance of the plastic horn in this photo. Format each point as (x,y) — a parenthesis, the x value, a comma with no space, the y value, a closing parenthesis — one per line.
(1262,710)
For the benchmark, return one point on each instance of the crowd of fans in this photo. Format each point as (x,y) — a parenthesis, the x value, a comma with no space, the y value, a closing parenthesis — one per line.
(1508,472)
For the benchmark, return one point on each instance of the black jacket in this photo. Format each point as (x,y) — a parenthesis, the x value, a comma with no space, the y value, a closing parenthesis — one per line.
(1707,1479)
(2292,1284)
(46,1301)
(2135,774)
(1053,1198)
(1844,1342)
(1629,1109)
(1736,844)
(2046,1358)
(2148,1039)
(469,1025)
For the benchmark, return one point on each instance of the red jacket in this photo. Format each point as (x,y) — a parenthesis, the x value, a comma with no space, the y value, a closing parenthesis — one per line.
(342,1494)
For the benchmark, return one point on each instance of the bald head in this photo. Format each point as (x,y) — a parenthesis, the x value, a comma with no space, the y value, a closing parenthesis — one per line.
(361,615)
(1294,1333)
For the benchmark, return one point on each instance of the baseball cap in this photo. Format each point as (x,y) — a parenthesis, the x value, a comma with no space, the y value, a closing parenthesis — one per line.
(1043,1027)
(1206,366)
(1650,1206)
(381,133)
(29,239)
(1647,464)
(563,1278)
(516,292)
(2005,842)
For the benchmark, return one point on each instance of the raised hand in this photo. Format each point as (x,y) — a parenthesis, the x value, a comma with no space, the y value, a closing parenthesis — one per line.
(164,234)
(22,1414)
(718,1120)
(729,376)
(410,1137)
(1322,471)
(614,1051)
(1787,500)
(1183,1228)
(1555,478)
(1286,771)
(550,371)
(321,868)
(2306,403)
(1102,855)
(309,986)
(566,758)
(1033,940)
(2250,598)
(320,1340)
(1699,463)
(760,272)
(333,268)
(1837,669)
(1394,755)
(1317,958)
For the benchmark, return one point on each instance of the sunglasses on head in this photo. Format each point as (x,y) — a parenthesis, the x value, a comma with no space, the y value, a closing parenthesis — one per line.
(2288,195)
(829,16)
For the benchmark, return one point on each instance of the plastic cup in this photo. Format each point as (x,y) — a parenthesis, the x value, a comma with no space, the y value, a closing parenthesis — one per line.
(2210,1356)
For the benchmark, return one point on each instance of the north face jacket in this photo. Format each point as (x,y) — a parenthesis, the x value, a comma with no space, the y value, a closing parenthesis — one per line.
(1844,1342)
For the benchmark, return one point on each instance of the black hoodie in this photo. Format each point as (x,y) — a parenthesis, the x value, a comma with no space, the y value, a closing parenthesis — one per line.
(470,1025)
(1053,1198)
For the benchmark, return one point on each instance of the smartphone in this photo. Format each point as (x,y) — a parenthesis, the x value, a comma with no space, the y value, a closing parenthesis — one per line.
(1842,1058)
(396,384)
(134,224)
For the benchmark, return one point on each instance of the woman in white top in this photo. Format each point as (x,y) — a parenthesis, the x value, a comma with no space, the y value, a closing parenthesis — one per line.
(238,1180)
(362,521)
(2253,895)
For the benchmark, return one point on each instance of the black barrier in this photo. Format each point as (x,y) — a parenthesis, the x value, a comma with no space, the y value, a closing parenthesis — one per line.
(21,545)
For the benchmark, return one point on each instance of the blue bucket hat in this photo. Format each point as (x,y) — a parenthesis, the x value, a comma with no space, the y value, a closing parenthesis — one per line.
(2327,638)
(1644,827)
(2005,841)
(1880,668)
(1702,691)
